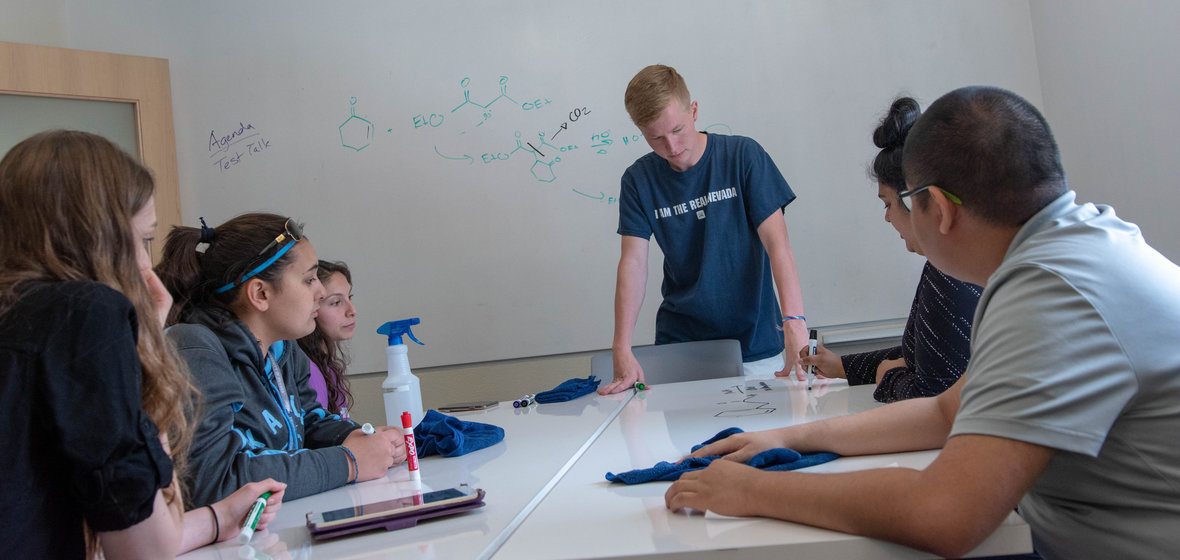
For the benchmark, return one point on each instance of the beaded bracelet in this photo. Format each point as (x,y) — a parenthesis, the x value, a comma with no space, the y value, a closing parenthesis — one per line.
(789,317)
(355,466)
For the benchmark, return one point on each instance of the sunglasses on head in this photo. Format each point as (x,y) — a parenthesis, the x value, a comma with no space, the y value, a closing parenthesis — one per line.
(292,233)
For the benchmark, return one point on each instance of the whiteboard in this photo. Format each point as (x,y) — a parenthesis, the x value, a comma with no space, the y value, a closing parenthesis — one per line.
(464,158)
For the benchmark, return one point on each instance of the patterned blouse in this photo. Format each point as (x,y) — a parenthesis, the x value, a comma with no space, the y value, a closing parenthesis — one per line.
(935,344)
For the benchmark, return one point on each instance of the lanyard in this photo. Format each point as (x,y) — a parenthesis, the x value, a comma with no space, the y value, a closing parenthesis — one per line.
(277,373)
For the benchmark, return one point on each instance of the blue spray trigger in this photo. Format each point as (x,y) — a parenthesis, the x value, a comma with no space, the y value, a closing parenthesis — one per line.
(395,329)
(410,334)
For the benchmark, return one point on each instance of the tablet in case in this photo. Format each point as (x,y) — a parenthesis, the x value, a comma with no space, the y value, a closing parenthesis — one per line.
(391,515)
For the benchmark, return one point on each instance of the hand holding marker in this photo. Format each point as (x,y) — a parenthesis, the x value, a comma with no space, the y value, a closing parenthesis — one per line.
(252,518)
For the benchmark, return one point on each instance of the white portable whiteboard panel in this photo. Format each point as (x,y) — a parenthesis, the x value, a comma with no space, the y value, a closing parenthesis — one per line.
(408,136)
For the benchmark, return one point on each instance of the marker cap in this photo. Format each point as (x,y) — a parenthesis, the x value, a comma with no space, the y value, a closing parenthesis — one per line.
(252,518)
(245,535)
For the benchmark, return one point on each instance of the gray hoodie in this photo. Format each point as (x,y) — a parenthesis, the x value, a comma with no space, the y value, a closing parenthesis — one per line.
(245,434)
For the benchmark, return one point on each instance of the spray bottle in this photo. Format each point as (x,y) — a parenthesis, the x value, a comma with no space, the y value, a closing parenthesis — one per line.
(403,393)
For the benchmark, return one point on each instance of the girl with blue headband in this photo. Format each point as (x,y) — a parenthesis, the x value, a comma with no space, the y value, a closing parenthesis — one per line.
(244,292)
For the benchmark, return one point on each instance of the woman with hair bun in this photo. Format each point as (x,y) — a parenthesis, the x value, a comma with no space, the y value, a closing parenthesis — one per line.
(244,293)
(935,345)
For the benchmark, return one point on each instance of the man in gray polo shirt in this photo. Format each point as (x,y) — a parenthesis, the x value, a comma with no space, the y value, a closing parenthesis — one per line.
(1070,406)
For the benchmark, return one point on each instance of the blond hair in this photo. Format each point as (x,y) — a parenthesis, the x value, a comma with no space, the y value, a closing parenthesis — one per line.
(652,90)
(66,203)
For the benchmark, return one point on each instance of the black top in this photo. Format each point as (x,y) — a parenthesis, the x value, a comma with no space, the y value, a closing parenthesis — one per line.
(936,343)
(78,445)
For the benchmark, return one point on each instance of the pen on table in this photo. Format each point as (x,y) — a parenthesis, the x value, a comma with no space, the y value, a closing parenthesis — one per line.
(411,451)
(368,428)
(524,401)
(812,346)
(252,518)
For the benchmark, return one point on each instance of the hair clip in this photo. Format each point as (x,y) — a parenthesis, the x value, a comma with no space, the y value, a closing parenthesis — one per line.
(207,234)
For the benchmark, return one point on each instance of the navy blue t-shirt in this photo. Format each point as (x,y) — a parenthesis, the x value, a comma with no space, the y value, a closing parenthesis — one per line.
(717,277)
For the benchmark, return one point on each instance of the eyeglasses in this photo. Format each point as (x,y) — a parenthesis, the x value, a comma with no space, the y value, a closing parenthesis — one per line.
(901,196)
(292,233)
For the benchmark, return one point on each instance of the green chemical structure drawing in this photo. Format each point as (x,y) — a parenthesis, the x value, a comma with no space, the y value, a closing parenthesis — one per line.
(579,135)
(486,108)
(356,133)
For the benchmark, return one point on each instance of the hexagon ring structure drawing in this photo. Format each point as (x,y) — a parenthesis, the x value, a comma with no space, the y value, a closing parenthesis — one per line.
(356,133)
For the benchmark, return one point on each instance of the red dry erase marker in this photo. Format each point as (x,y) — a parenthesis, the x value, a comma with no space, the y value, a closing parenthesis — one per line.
(411,450)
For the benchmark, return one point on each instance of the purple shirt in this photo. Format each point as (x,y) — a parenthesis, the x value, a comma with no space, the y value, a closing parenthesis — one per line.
(320,385)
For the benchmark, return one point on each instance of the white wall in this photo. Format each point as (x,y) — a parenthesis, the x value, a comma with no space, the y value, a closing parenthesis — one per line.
(486,254)
(1109,83)
(1110,77)
(36,22)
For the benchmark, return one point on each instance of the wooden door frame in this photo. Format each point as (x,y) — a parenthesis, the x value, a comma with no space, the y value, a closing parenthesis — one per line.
(142,81)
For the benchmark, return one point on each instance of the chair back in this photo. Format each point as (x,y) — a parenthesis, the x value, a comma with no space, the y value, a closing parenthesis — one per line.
(680,361)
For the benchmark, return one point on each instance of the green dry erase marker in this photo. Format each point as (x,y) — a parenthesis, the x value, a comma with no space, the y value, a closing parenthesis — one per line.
(252,518)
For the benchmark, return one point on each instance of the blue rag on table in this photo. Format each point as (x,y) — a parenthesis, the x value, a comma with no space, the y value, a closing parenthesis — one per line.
(569,390)
(781,459)
(439,434)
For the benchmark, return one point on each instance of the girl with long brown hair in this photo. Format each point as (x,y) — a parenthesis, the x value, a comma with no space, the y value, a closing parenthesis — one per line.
(96,405)
(335,323)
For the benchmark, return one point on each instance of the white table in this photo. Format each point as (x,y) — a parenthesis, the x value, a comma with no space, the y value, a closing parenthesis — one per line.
(547,496)
(586,516)
(538,443)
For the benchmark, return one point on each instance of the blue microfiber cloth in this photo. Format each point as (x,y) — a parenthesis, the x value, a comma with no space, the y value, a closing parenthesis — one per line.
(781,459)
(569,390)
(439,434)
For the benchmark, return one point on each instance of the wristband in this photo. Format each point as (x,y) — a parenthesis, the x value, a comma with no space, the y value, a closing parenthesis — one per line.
(216,525)
(789,317)
(355,466)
